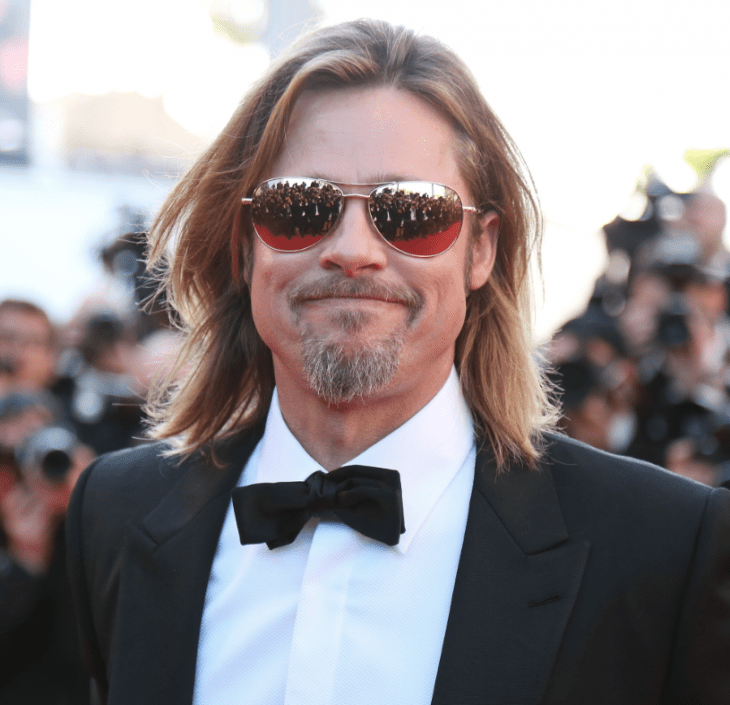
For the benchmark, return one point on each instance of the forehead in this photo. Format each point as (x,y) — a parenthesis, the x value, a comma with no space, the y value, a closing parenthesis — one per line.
(368,135)
(12,317)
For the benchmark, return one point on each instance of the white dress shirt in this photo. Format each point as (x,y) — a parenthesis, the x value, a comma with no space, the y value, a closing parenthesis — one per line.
(336,618)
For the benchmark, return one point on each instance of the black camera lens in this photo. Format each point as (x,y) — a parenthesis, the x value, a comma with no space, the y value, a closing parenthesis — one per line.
(55,464)
(50,450)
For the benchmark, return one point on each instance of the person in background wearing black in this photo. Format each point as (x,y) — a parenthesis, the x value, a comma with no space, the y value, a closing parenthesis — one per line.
(40,461)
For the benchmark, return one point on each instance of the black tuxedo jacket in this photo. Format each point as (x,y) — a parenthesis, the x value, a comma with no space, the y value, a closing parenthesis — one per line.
(594,580)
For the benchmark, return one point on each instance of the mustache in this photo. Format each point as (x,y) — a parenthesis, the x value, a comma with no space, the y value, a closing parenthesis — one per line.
(359,288)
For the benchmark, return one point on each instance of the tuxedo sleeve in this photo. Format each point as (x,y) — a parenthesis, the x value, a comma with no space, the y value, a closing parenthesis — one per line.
(701,664)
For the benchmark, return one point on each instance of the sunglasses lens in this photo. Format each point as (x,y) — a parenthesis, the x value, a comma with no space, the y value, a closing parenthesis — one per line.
(294,214)
(416,217)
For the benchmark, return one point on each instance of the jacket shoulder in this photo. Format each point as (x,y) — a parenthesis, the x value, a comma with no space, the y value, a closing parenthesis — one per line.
(595,486)
(128,482)
(138,464)
(657,573)
(569,458)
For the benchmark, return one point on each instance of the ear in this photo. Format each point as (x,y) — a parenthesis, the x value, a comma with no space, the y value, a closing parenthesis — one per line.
(484,250)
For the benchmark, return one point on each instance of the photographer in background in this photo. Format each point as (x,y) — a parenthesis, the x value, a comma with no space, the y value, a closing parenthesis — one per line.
(40,462)
(658,316)
(597,378)
(117,343)
(27,346)
(683,402)
(97,384)
(706,216)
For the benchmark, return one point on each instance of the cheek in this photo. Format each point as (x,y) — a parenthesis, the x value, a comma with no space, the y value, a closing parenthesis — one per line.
(449,306)
(271,279)
(261,287)
(456,314)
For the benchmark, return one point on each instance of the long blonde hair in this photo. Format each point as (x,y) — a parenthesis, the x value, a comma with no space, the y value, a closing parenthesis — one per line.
(225,372)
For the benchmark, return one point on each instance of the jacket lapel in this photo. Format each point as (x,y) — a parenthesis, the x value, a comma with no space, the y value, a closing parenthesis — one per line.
(515,587)
(163,584)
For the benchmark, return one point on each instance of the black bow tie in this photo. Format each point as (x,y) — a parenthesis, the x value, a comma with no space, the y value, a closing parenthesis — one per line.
(366,499)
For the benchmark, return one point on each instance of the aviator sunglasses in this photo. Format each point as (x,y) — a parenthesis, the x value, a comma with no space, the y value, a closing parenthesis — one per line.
(418,218)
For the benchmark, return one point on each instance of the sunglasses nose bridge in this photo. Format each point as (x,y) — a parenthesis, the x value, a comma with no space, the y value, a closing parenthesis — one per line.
(361,196)
(367,198)
(355,244)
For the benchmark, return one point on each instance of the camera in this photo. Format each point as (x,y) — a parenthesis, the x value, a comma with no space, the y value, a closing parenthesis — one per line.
(51,450)
(673,331)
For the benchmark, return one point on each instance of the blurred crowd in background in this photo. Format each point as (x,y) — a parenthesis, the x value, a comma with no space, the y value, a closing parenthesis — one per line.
(644,371)
(67,395)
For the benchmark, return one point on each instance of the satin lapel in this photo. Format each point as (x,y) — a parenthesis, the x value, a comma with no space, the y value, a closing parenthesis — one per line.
(515,587)
(163,583)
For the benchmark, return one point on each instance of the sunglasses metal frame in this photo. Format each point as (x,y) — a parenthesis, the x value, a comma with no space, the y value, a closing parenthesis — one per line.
(362,196)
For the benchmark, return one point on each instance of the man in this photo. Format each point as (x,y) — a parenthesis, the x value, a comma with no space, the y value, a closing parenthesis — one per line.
(351,266)
(27,347)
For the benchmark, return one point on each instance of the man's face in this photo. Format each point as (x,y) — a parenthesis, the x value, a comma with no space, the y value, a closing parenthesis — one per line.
(353,317)
(26,349)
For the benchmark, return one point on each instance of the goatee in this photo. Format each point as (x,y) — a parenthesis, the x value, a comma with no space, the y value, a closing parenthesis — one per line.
(340,371)
(338,375)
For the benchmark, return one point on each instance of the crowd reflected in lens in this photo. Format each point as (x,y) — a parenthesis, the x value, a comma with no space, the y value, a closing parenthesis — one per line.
(403,215)
(296,210)
(311,209)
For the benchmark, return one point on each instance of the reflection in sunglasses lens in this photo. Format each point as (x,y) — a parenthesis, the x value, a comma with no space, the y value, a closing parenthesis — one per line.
(294,215)
(417,223)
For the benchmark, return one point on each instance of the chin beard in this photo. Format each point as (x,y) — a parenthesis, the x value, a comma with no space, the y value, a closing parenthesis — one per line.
(338,374)
(340,371)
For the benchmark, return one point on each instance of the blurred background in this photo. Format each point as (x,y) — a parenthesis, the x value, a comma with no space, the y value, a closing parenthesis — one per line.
(621,110)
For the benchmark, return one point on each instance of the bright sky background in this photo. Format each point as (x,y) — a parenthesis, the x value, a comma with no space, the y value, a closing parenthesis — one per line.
(591,92)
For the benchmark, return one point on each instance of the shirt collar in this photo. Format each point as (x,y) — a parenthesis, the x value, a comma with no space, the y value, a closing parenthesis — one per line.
(428,450)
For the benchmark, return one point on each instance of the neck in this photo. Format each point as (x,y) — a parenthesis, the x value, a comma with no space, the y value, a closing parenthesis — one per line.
(334,435)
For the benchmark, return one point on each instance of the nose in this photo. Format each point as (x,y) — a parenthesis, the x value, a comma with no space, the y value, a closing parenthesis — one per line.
(354,246)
